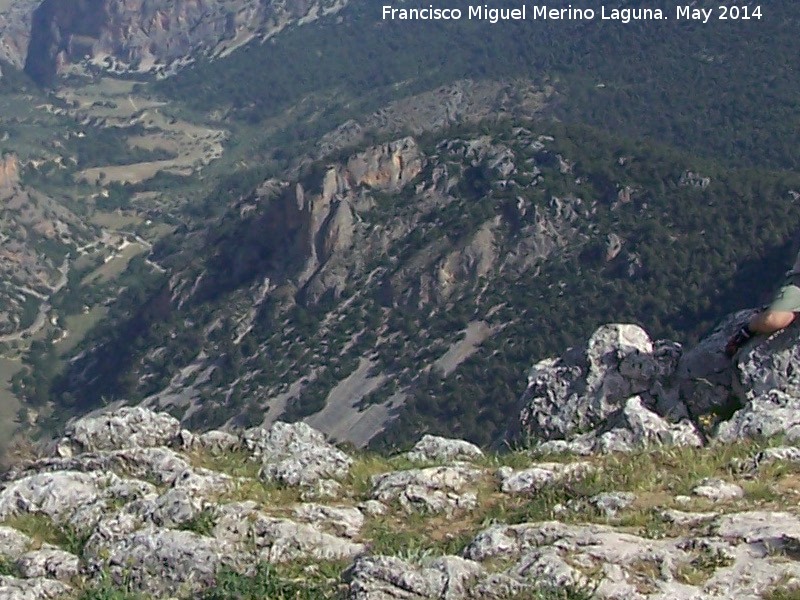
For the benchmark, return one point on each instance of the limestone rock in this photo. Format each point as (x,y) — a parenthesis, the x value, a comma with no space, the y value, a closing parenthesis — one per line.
(134,35)
(688,519)
(218,441)
(345,521)
(535,478)
(636,427)
(435,489)
(171,509)
(15,31)
(548,570)
(161,465)
(159,560)
(768,455)
(58,495)
(126,427)
(295,454)
(373,508)
(772,413)
(718,490)
(389,166)
(705,375)
(282,540)
(612,502)
(242,525)
(770,364)
(580,391)
(37,588)
(49,562)
(771,528)
(623,392)
(13,543)
(391,578)
(632,428)
(9,170)
(432,448)
(613,245)
(552,555)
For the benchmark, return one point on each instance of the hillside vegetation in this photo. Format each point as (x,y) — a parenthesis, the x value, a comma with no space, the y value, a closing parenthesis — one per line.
(723,89)
(531,233)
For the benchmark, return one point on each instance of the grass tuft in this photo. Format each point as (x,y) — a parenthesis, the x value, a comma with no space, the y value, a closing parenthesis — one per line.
(311,582)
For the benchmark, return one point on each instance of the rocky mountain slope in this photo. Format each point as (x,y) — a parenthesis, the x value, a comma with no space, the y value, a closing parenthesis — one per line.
(386,275)
(410,281)
(15,30)
(38,235)
(129,502)
(137,36)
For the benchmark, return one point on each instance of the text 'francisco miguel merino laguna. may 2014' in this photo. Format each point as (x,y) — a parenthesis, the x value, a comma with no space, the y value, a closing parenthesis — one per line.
(536,13)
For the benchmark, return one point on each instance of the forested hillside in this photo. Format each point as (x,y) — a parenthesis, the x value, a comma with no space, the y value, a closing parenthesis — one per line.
(389,221)
(532,232)
(724,89)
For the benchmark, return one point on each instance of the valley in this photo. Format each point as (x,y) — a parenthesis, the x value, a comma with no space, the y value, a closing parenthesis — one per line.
(231,231)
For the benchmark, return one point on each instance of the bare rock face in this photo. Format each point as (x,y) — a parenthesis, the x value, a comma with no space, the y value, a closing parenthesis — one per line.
(57,495)
(389,166)
(544,555)
(768,415)
(39,588)
(532,480)
(763,379)
(308,236)
(13,543)
(49,562)
(332,233)
(139,35)
(172,539)
(15,30)
(160,560)
(9,171)
(770,364)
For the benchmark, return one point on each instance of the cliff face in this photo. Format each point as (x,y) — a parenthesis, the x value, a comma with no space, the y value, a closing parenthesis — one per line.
(9,171)
(150,35)
(15,29)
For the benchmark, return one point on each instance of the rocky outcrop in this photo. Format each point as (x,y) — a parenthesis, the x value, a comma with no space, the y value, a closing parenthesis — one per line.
(136,35)
(435,489)
(623,391)
(433,448)
(9,171)
(613,395)
(129,427)
(296,454)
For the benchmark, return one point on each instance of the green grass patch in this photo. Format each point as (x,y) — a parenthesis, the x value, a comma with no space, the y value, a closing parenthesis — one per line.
(202,523)
(78,326)
(114,267)
(236,463)
(42,530)
(107,589)
(783,592)
(295,582)
(413,537)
